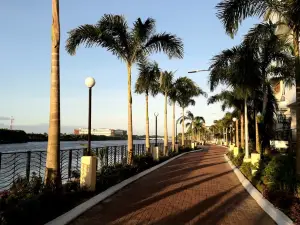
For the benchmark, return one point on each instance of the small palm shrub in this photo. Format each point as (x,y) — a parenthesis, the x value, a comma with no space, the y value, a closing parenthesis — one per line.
(280,174)
(246,169)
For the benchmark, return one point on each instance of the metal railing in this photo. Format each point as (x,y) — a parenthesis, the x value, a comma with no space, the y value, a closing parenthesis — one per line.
(24,164)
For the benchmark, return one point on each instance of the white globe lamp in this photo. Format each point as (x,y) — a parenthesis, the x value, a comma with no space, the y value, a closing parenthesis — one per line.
(90,82)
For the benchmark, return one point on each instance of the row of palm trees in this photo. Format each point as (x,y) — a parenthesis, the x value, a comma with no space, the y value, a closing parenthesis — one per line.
(152,80)
(131,45)
(266,54)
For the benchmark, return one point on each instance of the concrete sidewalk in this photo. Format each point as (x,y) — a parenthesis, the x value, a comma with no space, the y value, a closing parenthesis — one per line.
(198,188)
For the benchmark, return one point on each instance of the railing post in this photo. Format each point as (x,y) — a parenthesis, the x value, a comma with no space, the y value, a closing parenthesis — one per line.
(115,155)
(77,159)
(97,159)
(28,165)
(40,164)
(0,160)
(70,164)
(14,167)
(106,155)
(122,153)
(133,150)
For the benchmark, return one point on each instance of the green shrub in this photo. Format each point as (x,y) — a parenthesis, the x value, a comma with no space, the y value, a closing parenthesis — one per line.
(295,211)
(30,202)
(230,155)
(246,169)
(280,174)
(143,162)
(280,199)
(112,175)
(237,161)
(185,149)
(20,205)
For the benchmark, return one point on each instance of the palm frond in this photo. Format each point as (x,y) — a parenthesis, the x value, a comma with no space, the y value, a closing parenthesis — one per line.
(89,35)
(142,31)
(147,81)
(164,42)
(233,12)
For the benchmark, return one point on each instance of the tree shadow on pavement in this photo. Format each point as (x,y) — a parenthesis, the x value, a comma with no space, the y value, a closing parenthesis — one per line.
(133,206)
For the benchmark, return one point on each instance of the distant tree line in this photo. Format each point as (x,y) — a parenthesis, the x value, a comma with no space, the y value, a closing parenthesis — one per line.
(20,136)
(13,136)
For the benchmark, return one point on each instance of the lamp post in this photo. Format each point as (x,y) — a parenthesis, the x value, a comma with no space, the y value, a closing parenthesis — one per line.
(197,71)
(90,83)
(234,119)
(156,115)
(230,131)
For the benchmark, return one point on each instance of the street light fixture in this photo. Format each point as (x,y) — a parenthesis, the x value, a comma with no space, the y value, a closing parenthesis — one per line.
(230,133)
(236,130)
(197,71)
(156,115)
(90,83)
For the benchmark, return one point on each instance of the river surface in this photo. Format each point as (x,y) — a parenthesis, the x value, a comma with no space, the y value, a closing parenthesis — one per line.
(42,146)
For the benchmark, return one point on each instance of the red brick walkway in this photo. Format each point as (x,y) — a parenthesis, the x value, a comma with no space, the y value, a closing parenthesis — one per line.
(198,188)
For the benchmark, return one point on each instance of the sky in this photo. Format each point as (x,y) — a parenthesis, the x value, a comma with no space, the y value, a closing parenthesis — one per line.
(25,44)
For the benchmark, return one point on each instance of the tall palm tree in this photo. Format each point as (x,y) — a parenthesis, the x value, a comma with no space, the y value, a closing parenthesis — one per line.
(199,126)
(173,97)
(52,173)
(192,122)
(273,54)
(233,12)
(129,45)
(264,123)
(147,83)
(231,99)
(166,85)
(187,90)
(238,68)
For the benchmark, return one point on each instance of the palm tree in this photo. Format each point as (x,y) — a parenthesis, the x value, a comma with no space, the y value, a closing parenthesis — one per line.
(52,173)
(238,68)
(187,90)
(147,83)
(129,45)
(273,54)
(166,85)
(173,97)
(231,99)
(193,120)
(264,123)
(233,12)
(199,125)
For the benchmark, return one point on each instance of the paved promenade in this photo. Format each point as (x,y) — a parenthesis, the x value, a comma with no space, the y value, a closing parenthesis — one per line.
(198,188)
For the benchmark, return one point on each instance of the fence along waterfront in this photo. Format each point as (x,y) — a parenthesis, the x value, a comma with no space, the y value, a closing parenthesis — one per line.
(24,164)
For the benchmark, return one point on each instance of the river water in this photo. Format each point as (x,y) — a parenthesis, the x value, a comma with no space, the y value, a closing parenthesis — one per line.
(40,146)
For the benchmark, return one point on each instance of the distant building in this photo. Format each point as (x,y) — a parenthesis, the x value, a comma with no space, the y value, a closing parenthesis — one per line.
(101,131)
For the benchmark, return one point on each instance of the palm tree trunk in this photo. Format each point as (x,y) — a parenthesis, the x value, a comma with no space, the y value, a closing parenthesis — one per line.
(147,124)
(173,128)
(256,134)
(237,141)
(193,138)
(297,68)
(246,130)
(52,173)
(130,142)
(182,136)
(242,131)
(166,125)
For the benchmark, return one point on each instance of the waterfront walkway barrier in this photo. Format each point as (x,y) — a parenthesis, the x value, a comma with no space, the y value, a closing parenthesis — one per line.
(25,164)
